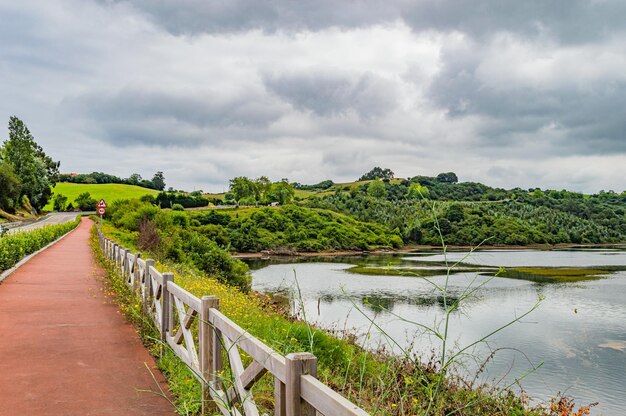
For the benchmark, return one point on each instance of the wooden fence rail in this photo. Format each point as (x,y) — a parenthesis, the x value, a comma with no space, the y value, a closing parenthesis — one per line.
(199,334)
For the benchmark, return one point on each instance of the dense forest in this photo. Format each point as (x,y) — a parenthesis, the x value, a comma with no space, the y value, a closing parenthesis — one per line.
(469,213)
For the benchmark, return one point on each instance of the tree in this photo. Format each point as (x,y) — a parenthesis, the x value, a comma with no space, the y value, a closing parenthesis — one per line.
(134,179)
(447,177)
(10,186)
(262,187)
(281,192)
(35,170)
(377,173)
(242,187)
(417,191)
(455,213)
(377,189)
(85,202)
(159,181)
(59,202)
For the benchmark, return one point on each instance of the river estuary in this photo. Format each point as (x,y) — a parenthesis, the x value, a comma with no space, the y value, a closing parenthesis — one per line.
(578,330)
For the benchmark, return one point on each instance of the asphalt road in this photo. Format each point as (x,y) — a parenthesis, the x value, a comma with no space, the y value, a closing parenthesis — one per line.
(52,219)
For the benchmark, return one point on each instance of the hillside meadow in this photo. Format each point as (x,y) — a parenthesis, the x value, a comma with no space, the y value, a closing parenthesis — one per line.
(109,191)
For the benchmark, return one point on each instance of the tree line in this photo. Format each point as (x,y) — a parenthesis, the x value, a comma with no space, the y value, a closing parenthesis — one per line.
(157,182)
(468,213)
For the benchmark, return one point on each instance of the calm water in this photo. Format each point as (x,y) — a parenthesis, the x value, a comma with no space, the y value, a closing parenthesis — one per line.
(578,331)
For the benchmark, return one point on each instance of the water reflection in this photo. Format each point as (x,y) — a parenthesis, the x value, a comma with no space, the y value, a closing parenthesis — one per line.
(574,331)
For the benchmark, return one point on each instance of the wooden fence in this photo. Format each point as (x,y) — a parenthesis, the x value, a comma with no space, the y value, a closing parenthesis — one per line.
(174,312)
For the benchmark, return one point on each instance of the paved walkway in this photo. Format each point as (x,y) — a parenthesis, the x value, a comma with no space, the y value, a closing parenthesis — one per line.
(64,350)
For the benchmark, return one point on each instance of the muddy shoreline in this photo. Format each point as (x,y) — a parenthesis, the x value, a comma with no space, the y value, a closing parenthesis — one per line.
(416,248)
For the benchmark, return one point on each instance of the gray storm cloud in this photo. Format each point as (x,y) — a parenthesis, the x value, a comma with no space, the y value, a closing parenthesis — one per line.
(567,20)
(335,94)
(510,93)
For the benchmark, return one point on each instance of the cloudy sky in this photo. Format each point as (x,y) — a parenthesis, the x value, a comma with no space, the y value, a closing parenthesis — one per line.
(509,93)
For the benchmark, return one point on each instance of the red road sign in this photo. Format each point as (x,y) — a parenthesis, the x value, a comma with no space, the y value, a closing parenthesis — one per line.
(102,210)
(102,204)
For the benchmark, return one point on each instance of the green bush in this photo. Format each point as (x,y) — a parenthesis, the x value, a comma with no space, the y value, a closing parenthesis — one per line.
(178,207)
(306,229)
(85,202)
(180,219)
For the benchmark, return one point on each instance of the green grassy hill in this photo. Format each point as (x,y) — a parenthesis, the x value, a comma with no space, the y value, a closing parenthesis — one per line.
(109,191)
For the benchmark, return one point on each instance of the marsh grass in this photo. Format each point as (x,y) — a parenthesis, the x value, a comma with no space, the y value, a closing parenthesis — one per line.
(406,271)
(553,274)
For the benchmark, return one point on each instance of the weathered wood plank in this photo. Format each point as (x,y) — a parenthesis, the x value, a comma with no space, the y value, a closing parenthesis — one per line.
(190,344)
(222,402)
(260,352)
(167,308)
(156,275)
(189,318)
(183,354)
(244,395)
(205,346)
(297,365)
(279,398)
(326,400)
(252,374)
(183,295)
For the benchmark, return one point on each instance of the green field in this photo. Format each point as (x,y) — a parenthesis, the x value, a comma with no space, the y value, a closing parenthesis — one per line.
(109,191)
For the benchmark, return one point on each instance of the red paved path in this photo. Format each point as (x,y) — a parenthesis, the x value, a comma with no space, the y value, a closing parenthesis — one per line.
(63,351)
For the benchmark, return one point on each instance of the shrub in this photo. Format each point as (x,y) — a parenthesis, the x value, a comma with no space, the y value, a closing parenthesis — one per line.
(305,229)
(180,219)
(59,202)
(85,202)
(178,207)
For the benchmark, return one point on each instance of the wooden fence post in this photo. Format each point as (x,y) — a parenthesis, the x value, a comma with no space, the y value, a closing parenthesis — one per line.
(217,357)
(297,365)
(167,307)
(279,398)
(125,272)
(205,344)
(136,284)
(122,256)
(115,251)
(147,298)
